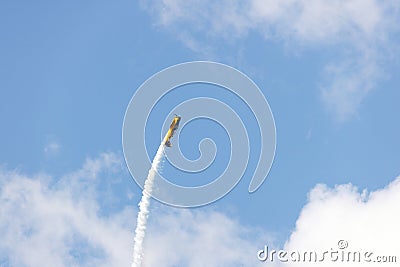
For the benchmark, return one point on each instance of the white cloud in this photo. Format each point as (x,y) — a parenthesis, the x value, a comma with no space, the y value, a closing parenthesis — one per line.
(367,221)
(363,27)
(49,222)
(62,222)
(58,224)
(196,238)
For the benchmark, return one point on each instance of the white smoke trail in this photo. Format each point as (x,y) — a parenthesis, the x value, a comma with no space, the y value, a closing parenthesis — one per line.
(144,207)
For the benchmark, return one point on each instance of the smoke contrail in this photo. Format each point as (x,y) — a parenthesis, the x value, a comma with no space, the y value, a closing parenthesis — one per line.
(144,207)
(146,194)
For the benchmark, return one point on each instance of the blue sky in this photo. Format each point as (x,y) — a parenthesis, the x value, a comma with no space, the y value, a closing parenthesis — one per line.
(69,69)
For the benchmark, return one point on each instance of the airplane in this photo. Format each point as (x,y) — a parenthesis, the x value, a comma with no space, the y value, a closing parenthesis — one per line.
(174,126)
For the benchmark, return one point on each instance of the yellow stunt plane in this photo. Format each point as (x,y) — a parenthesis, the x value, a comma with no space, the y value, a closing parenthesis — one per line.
(174,126)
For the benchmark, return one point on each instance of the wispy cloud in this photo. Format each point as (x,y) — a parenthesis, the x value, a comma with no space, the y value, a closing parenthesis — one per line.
(194,238)
(50,221)
(44,223)
(347,83)
(359,31)
(52,148)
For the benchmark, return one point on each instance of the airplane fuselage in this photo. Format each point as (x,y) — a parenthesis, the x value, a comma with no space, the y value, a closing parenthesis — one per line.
(174,126)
